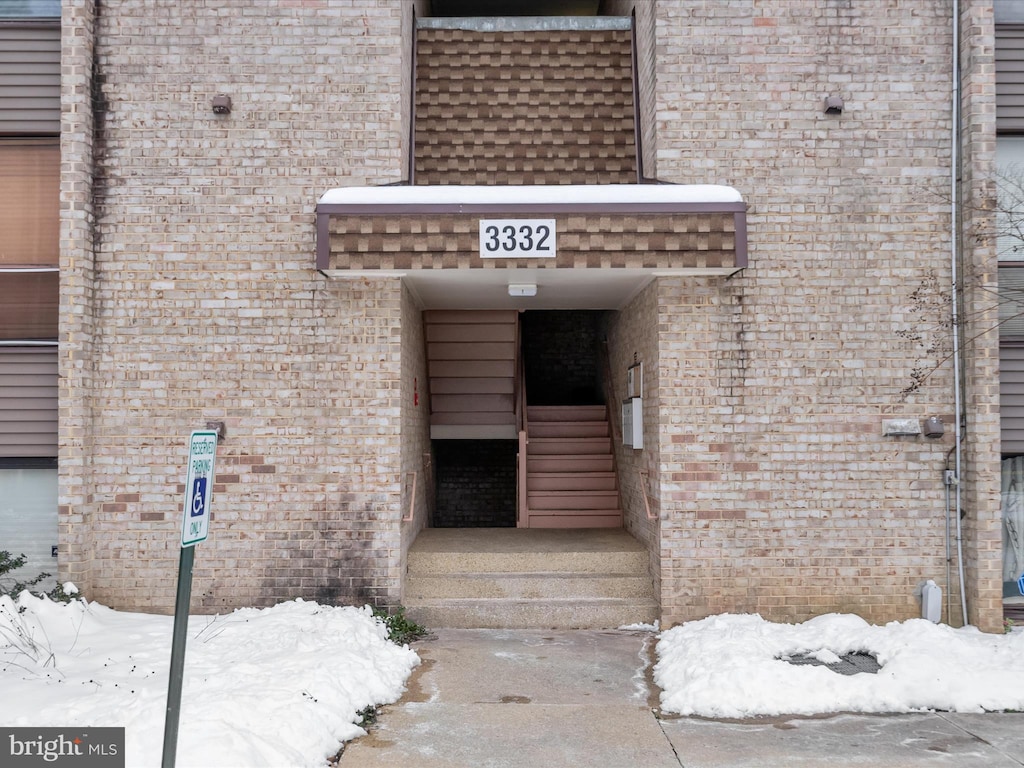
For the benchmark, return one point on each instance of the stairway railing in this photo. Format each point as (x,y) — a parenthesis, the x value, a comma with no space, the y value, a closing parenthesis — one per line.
(412,499)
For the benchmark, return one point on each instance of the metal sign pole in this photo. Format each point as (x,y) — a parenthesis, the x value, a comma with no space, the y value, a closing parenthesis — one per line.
(195,526)
(180,635)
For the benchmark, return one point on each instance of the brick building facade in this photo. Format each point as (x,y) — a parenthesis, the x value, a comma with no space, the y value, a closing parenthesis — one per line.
(190,293)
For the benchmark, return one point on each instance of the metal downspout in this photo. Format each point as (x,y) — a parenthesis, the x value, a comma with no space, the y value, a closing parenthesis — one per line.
(955,304)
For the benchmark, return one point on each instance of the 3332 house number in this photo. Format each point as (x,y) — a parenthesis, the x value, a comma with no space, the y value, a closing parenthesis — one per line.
(517,238)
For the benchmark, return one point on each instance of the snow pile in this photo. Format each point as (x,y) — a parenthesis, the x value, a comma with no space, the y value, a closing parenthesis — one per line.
(531,194)
(732,666)
(279,686)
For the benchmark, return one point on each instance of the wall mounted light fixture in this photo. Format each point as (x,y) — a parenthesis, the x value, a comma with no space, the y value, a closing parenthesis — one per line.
(901,427)
(834,105)
(522,289)
(222,104)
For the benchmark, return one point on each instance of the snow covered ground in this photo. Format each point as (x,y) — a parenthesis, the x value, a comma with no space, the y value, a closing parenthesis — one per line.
(731,666)
(283,686)
(280,686)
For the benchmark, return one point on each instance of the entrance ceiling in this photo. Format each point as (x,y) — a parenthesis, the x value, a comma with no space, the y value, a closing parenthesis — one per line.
(556,289)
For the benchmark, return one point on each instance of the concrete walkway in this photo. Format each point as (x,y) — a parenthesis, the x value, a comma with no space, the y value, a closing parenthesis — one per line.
(574,699)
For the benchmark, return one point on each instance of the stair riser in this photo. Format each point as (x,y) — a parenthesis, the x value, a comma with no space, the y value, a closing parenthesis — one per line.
(568,519)
(462,563)
(583,482)
(549,413)
(573,500)
(569,429)
(552,446)
(568,464)
(497,614)
(531,587)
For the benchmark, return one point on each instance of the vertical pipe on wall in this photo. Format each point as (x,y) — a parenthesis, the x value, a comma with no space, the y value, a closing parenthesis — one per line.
(954,304)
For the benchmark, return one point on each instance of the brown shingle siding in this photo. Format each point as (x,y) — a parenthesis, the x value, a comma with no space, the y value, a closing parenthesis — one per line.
(538,107)
(664,241)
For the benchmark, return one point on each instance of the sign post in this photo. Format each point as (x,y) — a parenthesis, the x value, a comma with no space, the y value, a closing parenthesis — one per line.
(195,526)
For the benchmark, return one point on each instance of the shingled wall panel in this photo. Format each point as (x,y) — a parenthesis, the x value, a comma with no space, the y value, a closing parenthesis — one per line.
(524,107)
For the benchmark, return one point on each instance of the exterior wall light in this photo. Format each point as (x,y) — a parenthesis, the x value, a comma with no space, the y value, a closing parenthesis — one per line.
(901,427)
(524,289)
(833,105)
(933,427)
(222,104)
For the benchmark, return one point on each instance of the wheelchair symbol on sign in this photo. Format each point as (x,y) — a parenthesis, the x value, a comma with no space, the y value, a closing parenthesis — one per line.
(199,497)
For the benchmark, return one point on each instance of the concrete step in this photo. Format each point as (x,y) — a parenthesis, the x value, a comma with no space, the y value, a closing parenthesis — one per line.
(461,551)
(572,613)
(529,578)
(530,586)
(461,563)
(568,429)
(570,481)
(573,500)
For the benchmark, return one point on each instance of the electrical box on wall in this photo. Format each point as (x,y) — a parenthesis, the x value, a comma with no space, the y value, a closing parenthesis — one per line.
(633,423)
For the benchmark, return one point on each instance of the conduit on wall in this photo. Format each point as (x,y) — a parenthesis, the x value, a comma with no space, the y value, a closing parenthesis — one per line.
(955,255)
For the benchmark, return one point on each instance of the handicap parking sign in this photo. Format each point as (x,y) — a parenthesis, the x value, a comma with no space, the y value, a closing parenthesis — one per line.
(195,523)
(199,497)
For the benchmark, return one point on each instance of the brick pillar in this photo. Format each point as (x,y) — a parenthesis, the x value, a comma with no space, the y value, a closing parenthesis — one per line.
(78,133)
(980,481)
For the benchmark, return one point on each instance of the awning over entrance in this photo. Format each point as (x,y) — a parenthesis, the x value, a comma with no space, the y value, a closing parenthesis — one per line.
(548,237)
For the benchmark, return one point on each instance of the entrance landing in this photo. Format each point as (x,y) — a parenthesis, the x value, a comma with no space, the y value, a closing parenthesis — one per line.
(508,578)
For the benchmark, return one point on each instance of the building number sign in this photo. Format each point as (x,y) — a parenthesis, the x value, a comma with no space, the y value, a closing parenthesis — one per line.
(517,238)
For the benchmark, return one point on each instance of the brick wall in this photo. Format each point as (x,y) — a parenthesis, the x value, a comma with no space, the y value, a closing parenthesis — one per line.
(77,294)
(193,294)
(560,352)
(779,493)
(476,483)
(415,436)
(980,492)
(633,336)
(189,295)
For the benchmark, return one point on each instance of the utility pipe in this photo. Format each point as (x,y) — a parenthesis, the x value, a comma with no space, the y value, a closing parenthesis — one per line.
(949,554)
(954,304)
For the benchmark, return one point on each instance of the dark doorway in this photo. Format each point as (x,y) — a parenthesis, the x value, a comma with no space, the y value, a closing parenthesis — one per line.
(475,483)
(562,355)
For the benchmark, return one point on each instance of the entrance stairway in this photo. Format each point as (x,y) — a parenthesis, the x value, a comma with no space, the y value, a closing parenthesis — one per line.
(471,358)
(499,578)
(570,477)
